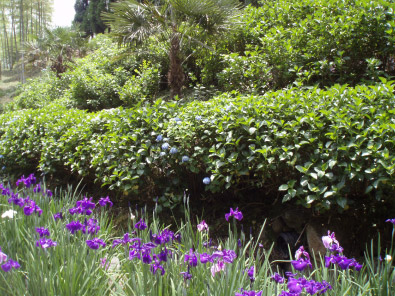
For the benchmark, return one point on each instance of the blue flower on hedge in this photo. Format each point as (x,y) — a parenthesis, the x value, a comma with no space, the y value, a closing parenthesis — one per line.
(162,153)
(198,118)
(95,243)
(185,158)
(165,146)
(159,138)
(173,150)
(206,180)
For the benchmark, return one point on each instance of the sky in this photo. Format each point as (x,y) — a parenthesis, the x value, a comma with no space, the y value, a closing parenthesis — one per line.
(63,13)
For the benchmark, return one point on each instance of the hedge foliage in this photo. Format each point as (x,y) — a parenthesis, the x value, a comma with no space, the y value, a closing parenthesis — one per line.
(322,148)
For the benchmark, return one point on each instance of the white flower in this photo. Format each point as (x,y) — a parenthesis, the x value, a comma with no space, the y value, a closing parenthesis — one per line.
(388,258)
(132,216)
(8,214)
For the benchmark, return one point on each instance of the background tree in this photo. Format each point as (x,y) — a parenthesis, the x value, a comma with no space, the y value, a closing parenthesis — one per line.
(88,15)
(178,21)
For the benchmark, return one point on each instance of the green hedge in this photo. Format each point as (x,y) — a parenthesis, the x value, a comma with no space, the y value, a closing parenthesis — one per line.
(319,147)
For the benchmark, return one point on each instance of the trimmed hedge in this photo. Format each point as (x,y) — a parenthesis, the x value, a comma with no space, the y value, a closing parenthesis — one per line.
(324,148)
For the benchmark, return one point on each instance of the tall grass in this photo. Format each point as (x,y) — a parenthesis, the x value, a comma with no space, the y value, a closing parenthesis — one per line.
(72,268)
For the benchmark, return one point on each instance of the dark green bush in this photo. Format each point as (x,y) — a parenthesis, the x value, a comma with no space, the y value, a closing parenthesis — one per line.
(322,148)
(310,42)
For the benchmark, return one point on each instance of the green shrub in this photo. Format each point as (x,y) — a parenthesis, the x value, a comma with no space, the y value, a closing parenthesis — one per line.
(38,92)
(142,86)
(322,148)
(324,42)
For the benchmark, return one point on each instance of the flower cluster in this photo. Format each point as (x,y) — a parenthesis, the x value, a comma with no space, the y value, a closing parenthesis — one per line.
(30,180)
(297,285)
(337,257)
(46,243)
(7,265)
(84,207)
(29,205)
(248,293)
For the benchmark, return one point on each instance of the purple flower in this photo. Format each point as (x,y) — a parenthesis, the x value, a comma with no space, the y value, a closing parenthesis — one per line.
(163,255)
(191,258)
(159,138)
(9,265)
(91,226)
(147,259)
(141,224)
(202,226)
(37,188)
(84,206)
(42,231)
(95,243)
(206,180)
(134,254)
(277,278)
(46,243)
(49,193)
(248,293)
(204,258)
(250,273)
(58,216)
(103,201)
(301,264)
(155,266)
(26,181)
(74,226)
(31,207)
(14,199)
(235,213)
(123,241)
(294,285)
(186,274)
(391,220)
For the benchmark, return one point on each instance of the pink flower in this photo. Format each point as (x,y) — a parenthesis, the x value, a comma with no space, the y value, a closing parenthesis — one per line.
(217,267)
(202,226)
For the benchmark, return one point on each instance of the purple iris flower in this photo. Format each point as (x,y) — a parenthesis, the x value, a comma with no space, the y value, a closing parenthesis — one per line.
(204,258)
(141,224)
(294,285)
(58,216)
(46,243)
(250,273)
(14,199)
(147,259)
(104,201)
(9,265)
(330,242)
(95,243)
(123,241)
(42,231)
(301,264)
(235,213)
(186,274)
(278,278)
(26,181)
(191,258)
(134,254)
(91,226)
(49,193)
(84,206)
(37,188)
(31,207)
(202,226)
(155,266)
(164,254)
(74,226)
(248,293)
(391,221)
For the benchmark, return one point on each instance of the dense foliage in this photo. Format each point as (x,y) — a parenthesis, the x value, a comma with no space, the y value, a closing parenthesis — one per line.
(322,147)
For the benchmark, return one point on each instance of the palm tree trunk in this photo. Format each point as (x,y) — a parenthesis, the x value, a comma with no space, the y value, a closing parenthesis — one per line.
(175,77)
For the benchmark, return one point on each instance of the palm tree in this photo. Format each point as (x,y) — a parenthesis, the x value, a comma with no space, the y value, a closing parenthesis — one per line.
(178,21)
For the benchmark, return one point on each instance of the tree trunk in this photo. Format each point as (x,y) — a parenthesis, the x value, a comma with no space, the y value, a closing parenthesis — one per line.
(175,76)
